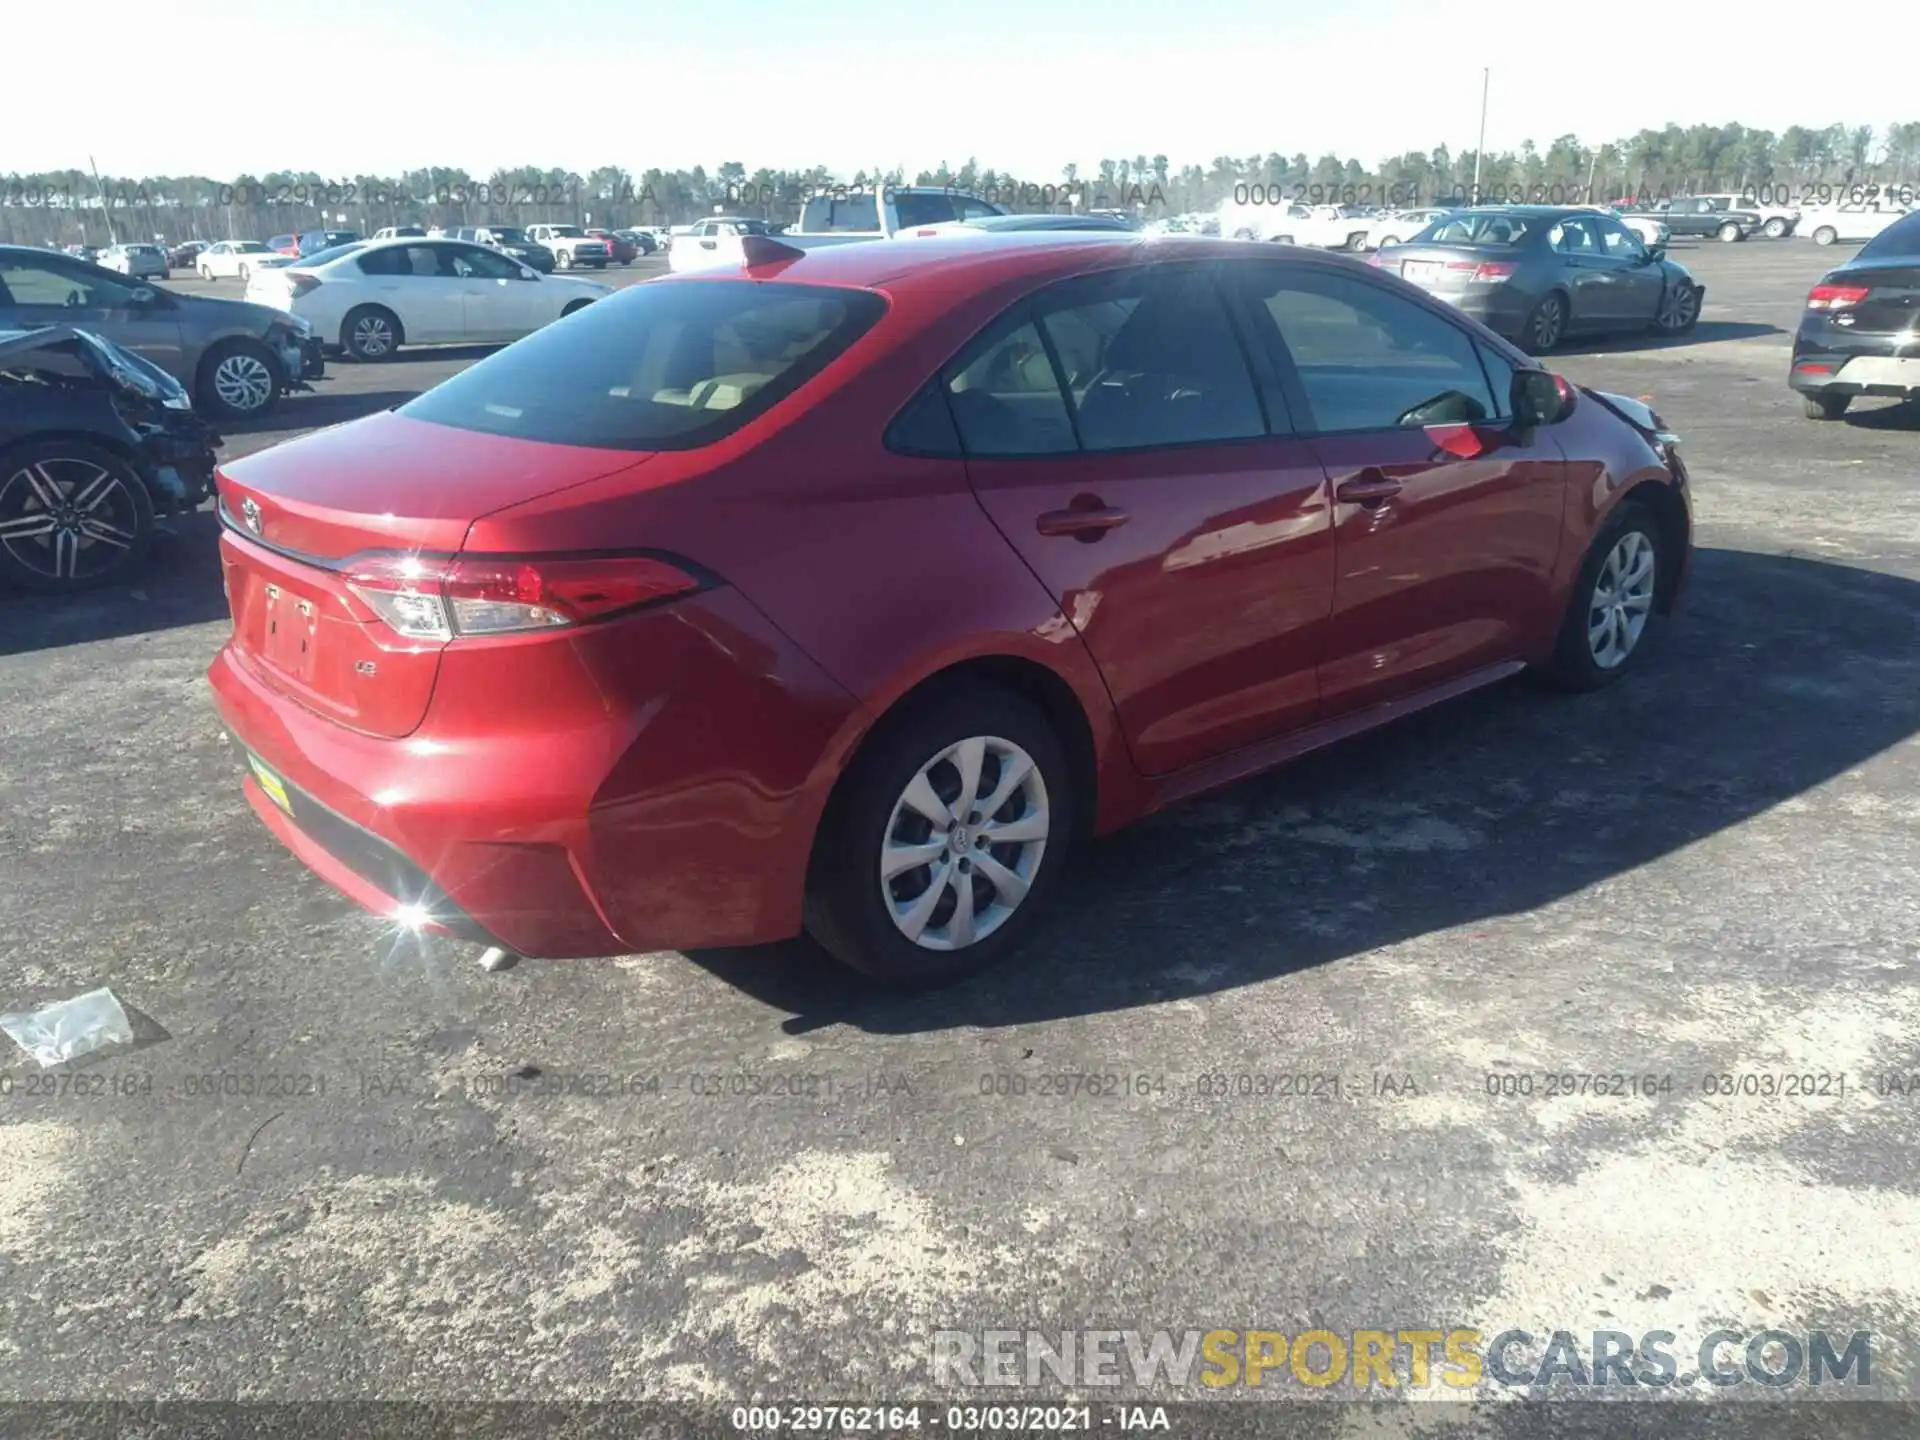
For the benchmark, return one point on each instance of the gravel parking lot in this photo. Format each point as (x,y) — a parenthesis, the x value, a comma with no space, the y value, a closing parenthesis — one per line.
(361,1167)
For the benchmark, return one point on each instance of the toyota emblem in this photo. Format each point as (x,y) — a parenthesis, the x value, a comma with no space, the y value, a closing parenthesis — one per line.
(250,513)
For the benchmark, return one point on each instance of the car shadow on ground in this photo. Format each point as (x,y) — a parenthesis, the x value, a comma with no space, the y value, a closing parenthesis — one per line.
(178,584)
(1778,675)
(1706,332)
(1901,415)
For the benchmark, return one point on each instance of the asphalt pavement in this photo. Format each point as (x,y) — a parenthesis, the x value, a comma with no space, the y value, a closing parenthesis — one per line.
(338,1163)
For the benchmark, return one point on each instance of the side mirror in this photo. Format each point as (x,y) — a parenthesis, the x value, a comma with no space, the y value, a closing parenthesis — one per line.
(1539,398)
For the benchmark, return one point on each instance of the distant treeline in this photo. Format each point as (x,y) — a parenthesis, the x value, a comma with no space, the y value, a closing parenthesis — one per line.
(78,207)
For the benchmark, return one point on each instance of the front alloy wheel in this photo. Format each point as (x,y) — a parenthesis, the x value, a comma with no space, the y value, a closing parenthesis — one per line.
(71,516)
(964,843)
(1679,308)
(242,383)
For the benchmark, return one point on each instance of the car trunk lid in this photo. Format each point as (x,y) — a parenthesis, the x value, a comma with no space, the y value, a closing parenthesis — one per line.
(1447,269)
(294,519)
(1890,304)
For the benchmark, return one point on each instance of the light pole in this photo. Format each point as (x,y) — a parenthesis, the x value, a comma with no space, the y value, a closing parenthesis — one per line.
(1486,76)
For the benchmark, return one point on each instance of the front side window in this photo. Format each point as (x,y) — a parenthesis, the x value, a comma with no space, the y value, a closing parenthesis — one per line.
(914,208)
(32,282)
(825,214)
(656,367)
(1619,243)
(1371,360)
(1150,358)
(472,261)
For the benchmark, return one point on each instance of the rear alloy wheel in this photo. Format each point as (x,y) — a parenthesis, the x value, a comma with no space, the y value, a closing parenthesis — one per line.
(1825,407)
(1825,235)
(71,516)
(1729,233)
(370,334)
(1389,240)
(238,381)
(1776,228)
(1679,310)
(1545,326)
(1613,603)
(943,840)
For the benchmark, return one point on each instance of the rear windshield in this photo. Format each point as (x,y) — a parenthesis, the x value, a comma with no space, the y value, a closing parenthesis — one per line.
(1900,240)
(1477,227)
(672,365)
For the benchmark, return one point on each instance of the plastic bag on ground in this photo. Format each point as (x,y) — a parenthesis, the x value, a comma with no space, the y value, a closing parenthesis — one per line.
(70,1028)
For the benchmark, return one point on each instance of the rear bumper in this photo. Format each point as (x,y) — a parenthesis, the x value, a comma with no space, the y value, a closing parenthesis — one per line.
(654,783)
(1817,373)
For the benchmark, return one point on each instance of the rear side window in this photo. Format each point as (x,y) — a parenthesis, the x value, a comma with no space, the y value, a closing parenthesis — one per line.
(825,214)
(1006,400)
(1371,360)
(671,366)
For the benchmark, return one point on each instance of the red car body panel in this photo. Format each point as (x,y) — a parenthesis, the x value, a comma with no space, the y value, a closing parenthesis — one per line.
(657,779)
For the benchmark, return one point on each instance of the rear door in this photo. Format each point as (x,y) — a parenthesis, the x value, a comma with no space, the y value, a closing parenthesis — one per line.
(1444,560)
(1116,434)
(419,284)
(1590,276)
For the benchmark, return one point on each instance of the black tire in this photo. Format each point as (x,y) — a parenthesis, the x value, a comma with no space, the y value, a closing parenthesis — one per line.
(256,364)
(1825,235)
(362,332)
(1730,233)
(562,260)
(32,563)
(206,274)
(1546,327)
(1776,228)
(574,307)
(1573,666)
(1681,315)
(845,911)
(1389,240)
(246,273)
(1825,407)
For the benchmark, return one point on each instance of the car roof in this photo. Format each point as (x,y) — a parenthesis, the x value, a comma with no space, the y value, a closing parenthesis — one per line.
(944,260)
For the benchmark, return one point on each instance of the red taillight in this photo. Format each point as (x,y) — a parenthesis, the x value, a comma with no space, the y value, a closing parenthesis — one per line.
(1812,367)
(301,284)
(437,599)
(1835,297)
(1494,270)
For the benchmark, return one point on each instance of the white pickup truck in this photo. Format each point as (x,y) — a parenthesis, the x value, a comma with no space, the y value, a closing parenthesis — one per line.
(571,246)
(839,217)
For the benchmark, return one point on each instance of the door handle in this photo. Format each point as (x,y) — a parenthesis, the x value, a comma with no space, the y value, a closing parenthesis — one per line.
(1083,522)
(1369,487)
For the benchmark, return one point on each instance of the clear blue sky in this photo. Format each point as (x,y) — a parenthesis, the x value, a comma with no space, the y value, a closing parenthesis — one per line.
(224,87)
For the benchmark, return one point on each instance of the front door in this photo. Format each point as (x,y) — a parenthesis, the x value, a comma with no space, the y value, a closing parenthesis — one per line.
(40,290)
(1116,436)
(1444,558)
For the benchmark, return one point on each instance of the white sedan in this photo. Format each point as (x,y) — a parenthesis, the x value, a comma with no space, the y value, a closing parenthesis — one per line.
(370,298)
(226,258)
(1830,223)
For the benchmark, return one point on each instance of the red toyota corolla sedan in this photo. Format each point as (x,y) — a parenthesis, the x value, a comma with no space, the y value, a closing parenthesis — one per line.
(844,590)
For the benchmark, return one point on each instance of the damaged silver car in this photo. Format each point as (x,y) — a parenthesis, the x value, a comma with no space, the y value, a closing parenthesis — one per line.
(95,445)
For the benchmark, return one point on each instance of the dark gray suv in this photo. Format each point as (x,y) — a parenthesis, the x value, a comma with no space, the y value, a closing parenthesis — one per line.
(235,359)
